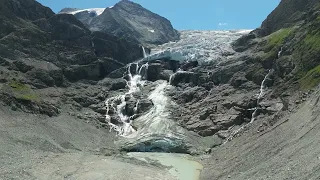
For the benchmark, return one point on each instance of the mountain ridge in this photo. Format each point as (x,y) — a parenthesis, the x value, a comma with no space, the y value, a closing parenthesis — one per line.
(131,21)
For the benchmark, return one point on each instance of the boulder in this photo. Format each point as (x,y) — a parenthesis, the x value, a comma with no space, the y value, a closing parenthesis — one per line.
(238,79)
(153,72)
(203,128)
(182,77)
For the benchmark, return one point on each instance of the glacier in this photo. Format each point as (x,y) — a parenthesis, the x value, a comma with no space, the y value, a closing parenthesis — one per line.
(202,46)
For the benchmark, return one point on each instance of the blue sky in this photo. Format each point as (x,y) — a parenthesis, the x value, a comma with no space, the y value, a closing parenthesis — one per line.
(192,14)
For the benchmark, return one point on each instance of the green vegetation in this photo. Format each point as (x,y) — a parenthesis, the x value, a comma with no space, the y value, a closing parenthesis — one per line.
(18,85)
(274,42)
(22,91)
(311,79)
(28,97)
(307,55)
(313,41)
(276,39)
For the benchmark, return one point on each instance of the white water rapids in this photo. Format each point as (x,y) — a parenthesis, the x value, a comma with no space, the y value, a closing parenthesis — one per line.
(118,103)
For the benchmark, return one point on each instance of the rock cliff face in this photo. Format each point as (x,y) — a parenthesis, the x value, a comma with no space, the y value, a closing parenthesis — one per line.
(291,28)
(289,13)
(40,49)
(130,21)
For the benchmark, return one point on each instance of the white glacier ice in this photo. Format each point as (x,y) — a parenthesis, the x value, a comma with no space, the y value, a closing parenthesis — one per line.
(203,46)
(98,11)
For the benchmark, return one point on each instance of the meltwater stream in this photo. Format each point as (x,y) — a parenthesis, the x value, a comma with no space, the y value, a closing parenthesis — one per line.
(153,131)
(149,136)
(118,103)
(260,96)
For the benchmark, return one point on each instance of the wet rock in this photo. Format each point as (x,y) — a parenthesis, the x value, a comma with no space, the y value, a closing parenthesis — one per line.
(182,77)
(144,105)
(137,106)
(113,84)
(153,72)
(165,75)
(119,73)
(189,65)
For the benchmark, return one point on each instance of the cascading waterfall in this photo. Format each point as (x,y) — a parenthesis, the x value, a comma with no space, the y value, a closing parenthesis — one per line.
(261,94)
(157,131)
(255,110)
(144,52)
(280,52)
(123,126)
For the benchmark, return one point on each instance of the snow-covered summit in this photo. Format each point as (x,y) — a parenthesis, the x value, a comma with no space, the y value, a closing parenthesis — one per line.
(98,11)
(127,20)
(73,11)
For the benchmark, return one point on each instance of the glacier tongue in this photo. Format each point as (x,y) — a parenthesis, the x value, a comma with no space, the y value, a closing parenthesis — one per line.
(202,46)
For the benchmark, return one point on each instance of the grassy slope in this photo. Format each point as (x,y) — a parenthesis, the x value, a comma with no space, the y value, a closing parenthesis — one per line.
(304,44)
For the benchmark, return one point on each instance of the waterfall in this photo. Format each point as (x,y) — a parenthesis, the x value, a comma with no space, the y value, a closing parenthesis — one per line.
(254,114)
(280,52)
(261,94)
(156,130)
(144,52)
(123,124)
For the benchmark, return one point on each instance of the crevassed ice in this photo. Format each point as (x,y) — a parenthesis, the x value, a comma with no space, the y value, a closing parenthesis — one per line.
(203,46)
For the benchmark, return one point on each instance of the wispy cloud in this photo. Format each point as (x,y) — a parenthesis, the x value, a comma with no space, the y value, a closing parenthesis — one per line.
(223,24)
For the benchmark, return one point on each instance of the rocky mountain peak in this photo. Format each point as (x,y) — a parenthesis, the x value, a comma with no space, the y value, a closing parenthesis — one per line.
(68,10)
(127,3)
(26,9)
(287,14)
(128,20)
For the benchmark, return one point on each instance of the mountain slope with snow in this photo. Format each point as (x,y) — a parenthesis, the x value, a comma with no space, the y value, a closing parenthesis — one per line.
(127,20)
(97,11)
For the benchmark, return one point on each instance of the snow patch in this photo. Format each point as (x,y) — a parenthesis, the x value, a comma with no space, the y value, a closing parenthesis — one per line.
(151,30)
(98,11)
